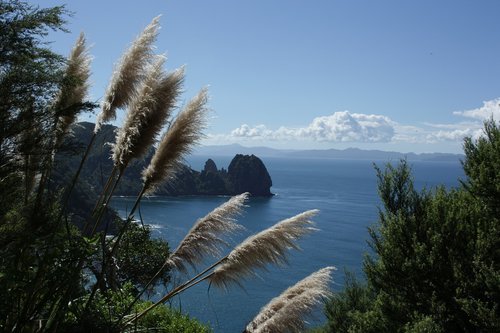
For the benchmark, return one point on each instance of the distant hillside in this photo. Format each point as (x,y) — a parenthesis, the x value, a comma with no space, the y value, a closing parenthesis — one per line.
(350,153)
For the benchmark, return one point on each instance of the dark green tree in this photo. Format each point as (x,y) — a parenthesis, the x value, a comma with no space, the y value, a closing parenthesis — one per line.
(481,292)
(140,257)
(30,74)
(352,309)
(436,263)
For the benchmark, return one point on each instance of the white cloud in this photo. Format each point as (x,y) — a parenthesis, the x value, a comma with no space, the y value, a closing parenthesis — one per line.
(250,132)
(489,109)
(454,135)
(346,127)
(434,133)
(339,127)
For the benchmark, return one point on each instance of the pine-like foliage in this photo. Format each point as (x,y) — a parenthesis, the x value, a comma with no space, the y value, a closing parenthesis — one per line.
(436,263)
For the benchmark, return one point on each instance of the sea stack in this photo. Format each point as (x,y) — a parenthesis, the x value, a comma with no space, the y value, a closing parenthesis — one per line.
(247,173)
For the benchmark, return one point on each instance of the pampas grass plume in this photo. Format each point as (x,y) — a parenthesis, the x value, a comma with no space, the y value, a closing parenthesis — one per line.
(286,312)
(267,247)
(75,88)
(148,112)
(183,134)
(128,73)
(204,238)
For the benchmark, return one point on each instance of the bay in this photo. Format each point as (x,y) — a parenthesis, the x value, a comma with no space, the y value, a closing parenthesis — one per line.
(344,191)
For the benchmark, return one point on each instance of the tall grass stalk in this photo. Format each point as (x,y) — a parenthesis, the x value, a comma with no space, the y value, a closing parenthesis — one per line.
(66,106)
(181,136)
(269,246)
(286,312)
(178,140)
(128,73)
(148,112)
(74,88)
(204,238)
(122,88)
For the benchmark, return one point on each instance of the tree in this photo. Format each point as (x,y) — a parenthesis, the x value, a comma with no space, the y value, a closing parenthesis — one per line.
(436,265)
(30,74)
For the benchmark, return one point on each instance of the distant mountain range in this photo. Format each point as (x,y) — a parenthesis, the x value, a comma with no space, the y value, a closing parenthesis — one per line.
(348,154)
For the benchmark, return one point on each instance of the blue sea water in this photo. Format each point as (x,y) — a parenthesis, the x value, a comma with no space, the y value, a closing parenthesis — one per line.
(344,191)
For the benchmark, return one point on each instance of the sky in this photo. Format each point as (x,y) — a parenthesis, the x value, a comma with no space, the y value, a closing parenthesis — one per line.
(395,75)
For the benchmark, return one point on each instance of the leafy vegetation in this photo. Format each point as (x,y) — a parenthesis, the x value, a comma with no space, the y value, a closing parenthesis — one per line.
(436,266)
(46,263)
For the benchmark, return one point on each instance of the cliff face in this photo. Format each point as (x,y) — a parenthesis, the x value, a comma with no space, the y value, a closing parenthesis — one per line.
(246,173)
(212,181)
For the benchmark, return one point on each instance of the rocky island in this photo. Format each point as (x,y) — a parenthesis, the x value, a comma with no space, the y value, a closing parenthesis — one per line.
(246,173)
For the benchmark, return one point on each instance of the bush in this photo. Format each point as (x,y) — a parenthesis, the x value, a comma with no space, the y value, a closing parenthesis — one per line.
(436,266)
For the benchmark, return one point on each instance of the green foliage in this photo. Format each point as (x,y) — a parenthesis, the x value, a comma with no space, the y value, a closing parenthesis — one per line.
(436,266)
(141,256)
(107,308)
(481,167)
(102,313)
(37,260)
(351,310)
(424,325)
(165,320)
(30,74)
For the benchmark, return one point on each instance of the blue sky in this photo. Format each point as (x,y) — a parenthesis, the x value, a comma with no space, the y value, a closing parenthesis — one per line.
(391,75)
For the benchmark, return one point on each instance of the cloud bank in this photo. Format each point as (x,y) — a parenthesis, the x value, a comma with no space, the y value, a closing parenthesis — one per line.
(488,110)
(347,127)
(341,126)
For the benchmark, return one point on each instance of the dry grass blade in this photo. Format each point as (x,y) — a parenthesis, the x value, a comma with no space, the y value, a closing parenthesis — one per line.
(286,312)
(148,112)
(182,135)
(204,238)
(267,247)
(128,73)
(74,88)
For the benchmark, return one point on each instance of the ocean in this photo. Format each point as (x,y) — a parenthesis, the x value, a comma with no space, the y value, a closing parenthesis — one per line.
(345,192)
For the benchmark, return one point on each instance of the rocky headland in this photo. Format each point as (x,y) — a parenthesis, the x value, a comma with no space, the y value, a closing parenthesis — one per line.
(245,173)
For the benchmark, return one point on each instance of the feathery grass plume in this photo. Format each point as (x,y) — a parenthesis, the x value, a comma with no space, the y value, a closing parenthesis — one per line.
(148,112)
(204,238)
(286,312)
(128,73)
(267,247)
(74,88)
(185,131)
